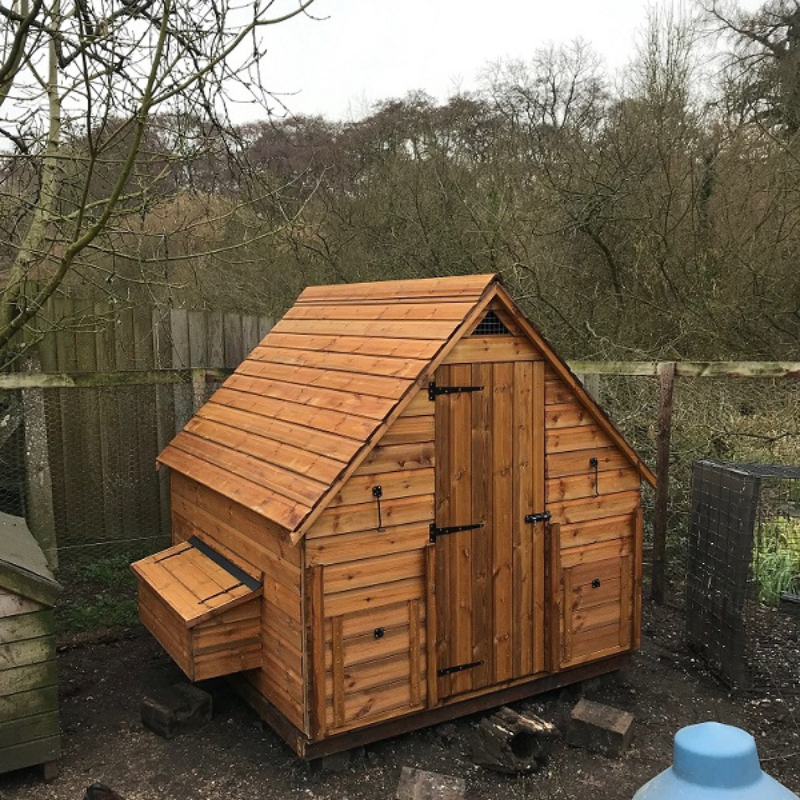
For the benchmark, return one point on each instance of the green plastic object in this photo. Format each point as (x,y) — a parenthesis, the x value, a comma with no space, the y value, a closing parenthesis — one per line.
(714,762)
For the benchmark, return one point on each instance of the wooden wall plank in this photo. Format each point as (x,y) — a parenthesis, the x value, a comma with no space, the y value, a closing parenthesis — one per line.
(344,547)
(473,349)
(317,614)
(404,483)
(373,571)
(432,683)
(364,516)
(398,457)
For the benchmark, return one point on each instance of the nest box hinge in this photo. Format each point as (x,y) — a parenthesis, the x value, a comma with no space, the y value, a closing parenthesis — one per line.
(434,531)
(457,668)
(434,391)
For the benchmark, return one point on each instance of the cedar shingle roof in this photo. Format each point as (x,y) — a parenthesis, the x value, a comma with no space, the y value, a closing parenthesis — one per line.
(318,389)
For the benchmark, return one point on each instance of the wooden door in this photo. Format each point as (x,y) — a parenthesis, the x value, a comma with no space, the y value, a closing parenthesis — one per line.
(489,576)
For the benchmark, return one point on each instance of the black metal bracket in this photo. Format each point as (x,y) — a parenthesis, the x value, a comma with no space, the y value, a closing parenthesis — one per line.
(434,531)
(596,583)
(244,579)
(434,391)
(595,465)
(544,516)
(377,493)
(457,668)
(378,633)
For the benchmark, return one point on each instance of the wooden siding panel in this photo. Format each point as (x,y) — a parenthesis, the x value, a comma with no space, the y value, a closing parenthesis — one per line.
(233,516)
(364,516)
(577,462)
(373,571)
(398,457)
(409,430)
(238,532)
(405,483)
(474,349)
(374,596)
(592,485)
(343,547)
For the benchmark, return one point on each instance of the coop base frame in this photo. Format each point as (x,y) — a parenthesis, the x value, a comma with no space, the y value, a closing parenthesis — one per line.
(338,743)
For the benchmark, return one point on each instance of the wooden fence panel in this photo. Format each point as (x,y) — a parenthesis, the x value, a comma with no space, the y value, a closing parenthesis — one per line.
(102,441)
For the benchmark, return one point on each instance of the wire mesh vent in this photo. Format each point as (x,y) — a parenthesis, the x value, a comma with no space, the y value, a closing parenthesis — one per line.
(491,325)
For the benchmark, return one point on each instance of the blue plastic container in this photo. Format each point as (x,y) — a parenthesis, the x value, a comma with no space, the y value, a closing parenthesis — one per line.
(714,762)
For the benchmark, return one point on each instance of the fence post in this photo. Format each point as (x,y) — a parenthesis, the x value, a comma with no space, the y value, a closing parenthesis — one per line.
(39,510)
(666,386)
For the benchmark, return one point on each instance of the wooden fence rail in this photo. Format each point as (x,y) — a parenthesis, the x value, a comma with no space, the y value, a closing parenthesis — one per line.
(178,381)
(667,372)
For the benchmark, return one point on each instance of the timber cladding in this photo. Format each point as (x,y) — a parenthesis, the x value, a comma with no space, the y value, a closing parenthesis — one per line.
(432,508)
(29,726)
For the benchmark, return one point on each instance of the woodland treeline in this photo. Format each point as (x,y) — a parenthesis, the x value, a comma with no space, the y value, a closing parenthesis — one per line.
(653,214)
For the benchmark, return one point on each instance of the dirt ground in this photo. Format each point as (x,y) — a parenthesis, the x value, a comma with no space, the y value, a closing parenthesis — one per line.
(235,756)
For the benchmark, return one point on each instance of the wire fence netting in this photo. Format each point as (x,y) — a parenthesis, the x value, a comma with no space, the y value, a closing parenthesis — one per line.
(84,458)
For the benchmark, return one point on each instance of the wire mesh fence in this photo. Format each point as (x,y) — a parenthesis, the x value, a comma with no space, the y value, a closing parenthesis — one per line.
(87,455)
(743,574)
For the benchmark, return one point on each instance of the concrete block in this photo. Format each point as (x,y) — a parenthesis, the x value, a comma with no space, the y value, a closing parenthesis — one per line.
(182,707)
(599,728)
(417,784)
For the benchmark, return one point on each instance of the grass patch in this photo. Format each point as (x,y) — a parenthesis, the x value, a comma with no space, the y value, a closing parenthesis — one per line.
(776,560)
(99,595)
(102,611)
(112,572)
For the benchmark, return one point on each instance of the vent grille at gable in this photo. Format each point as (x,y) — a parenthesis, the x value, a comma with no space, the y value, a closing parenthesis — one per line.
(491,325)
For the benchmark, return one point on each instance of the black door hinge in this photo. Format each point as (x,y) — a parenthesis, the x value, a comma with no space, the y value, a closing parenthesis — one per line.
(434,391)
(544,516)
(458,668)
(434,531)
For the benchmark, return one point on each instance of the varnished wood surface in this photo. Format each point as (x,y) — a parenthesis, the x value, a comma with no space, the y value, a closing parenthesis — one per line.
(280,433)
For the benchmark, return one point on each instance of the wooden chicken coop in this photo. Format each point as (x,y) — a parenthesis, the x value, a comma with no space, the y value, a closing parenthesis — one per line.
(402,507)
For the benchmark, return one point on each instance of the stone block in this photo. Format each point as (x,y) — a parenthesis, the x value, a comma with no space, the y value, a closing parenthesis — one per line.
(417,784)
(181,707)
(599,728)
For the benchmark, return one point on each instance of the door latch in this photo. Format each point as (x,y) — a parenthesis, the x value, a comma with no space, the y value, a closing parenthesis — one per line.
(543,516)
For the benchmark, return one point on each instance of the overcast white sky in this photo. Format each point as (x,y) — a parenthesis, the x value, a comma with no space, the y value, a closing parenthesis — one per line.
(363,51)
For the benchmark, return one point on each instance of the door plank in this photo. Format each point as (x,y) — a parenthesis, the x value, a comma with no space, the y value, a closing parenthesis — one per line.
(502,498)
(482,538)
(461,514)
(540,530)
(523,504)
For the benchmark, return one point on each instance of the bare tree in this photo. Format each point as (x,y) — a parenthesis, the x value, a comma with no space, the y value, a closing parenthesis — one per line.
(763,69)
(106,104)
